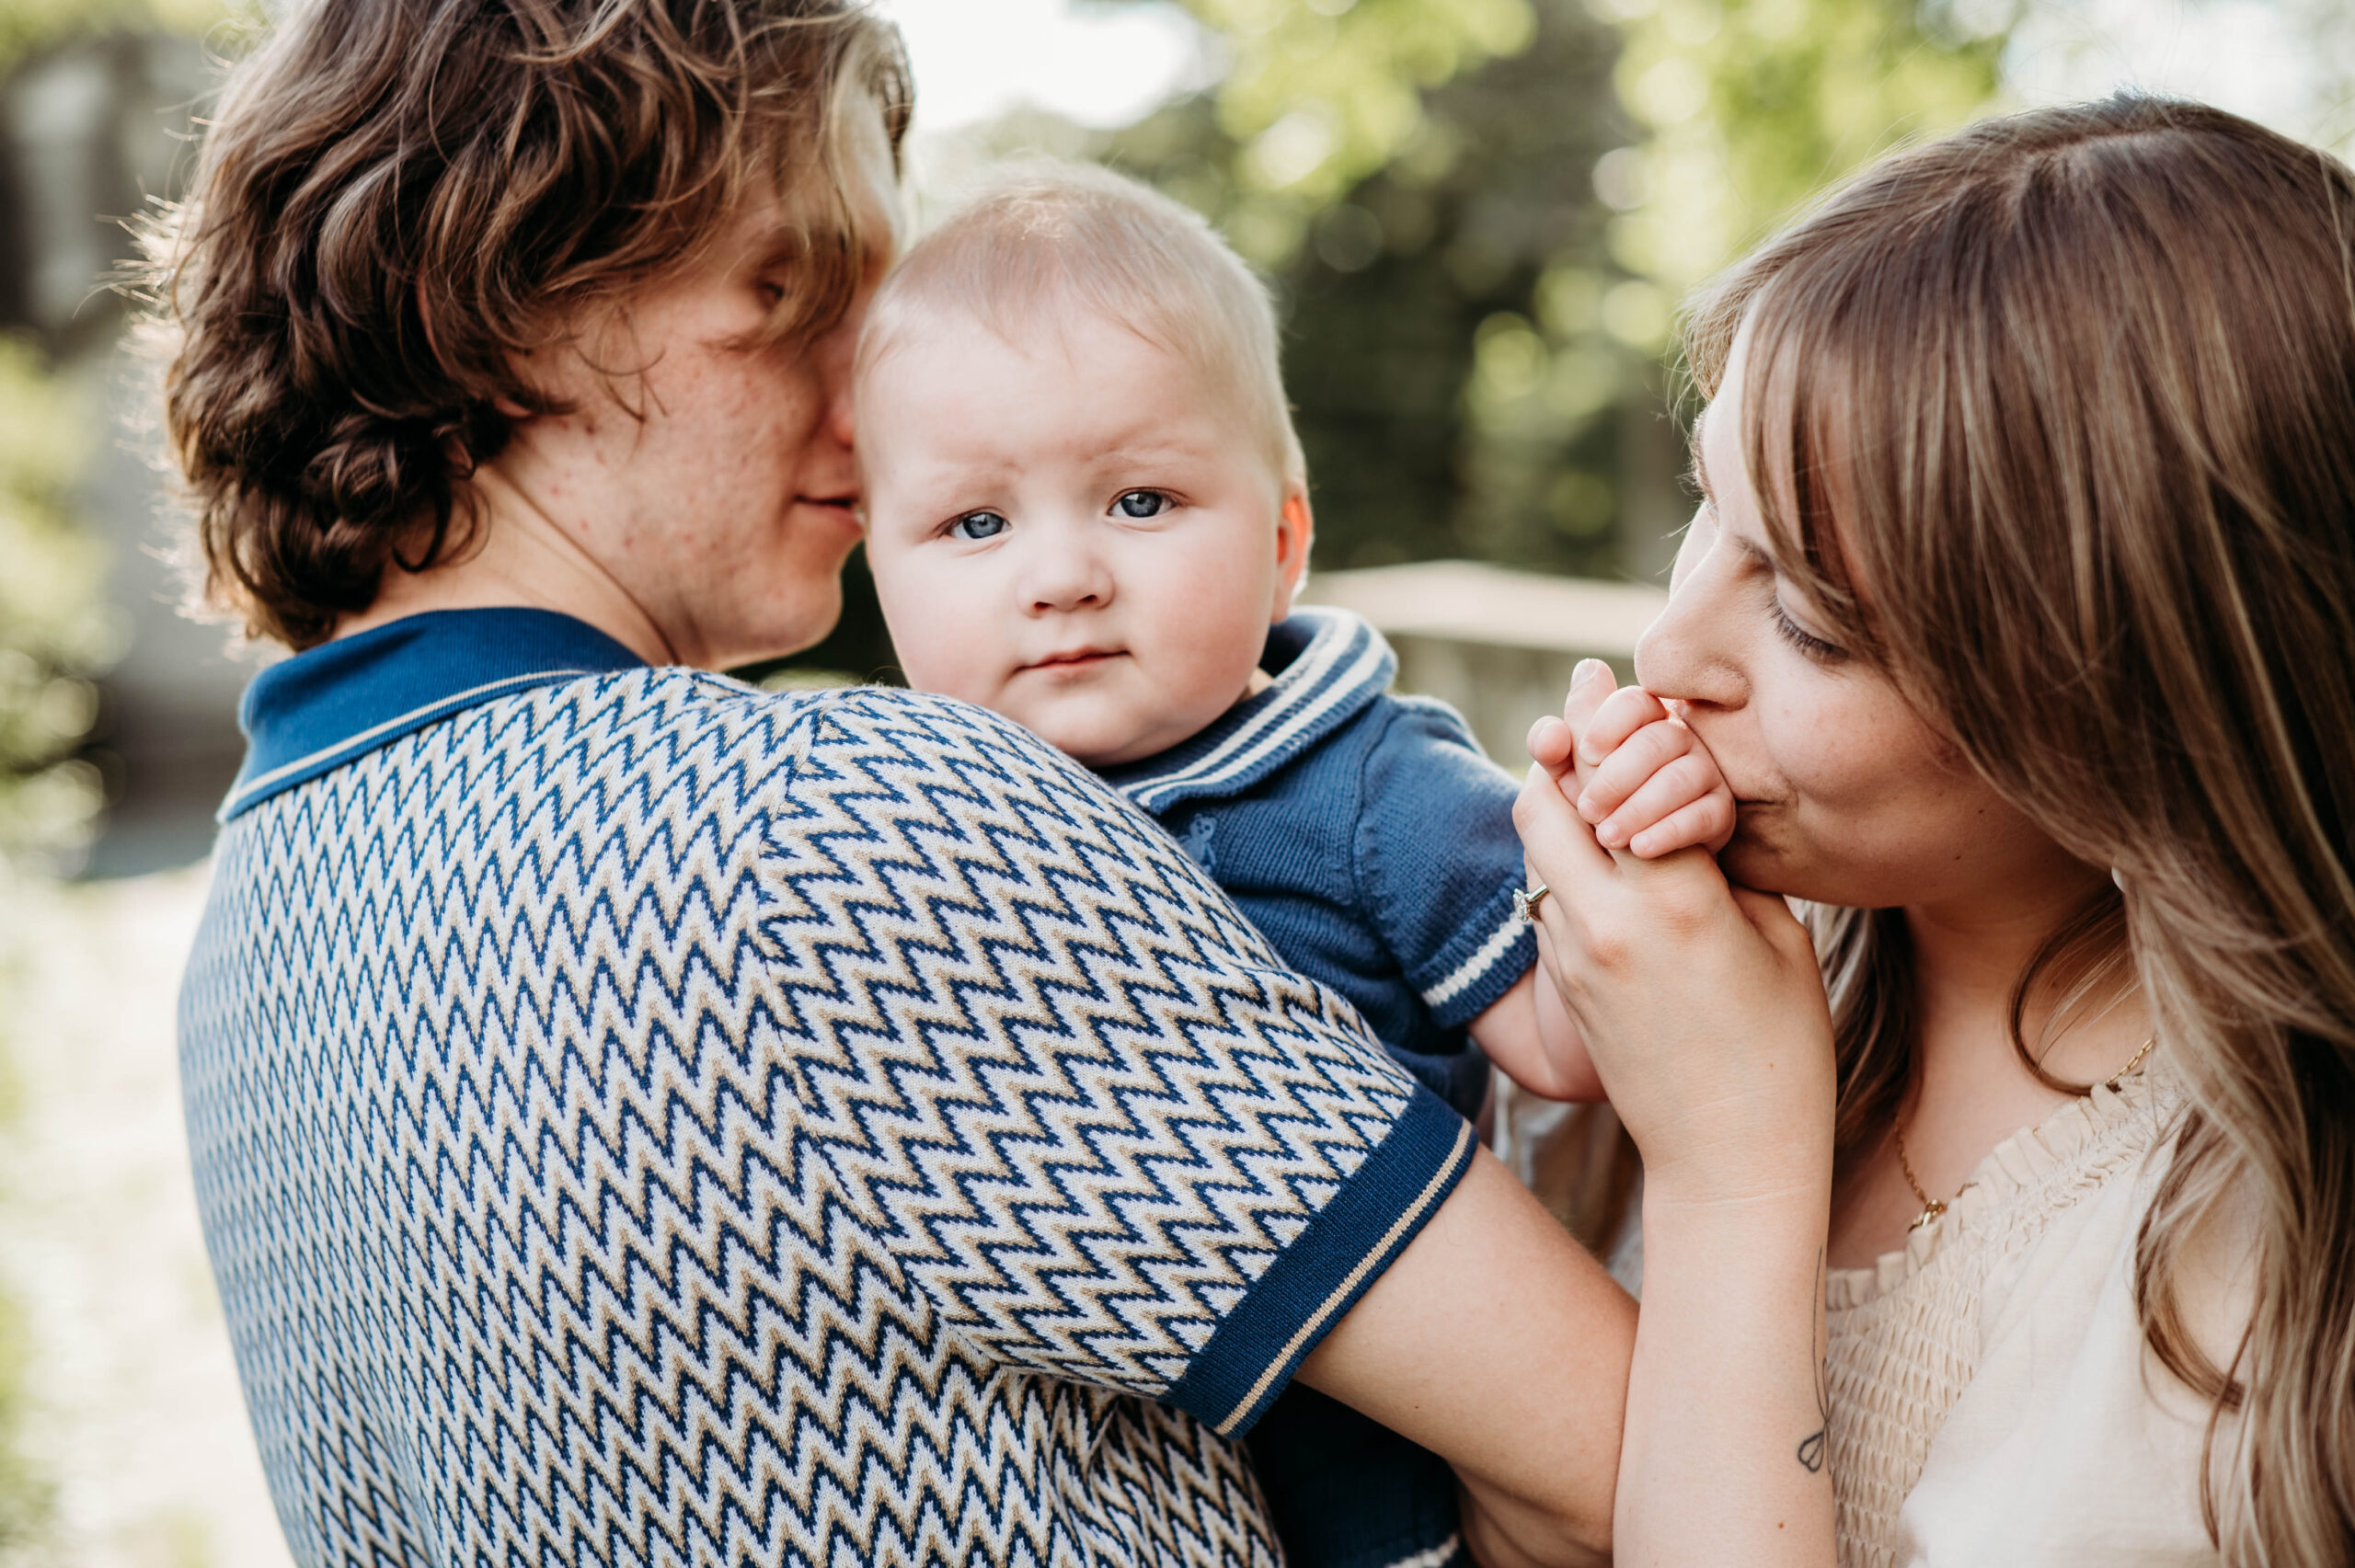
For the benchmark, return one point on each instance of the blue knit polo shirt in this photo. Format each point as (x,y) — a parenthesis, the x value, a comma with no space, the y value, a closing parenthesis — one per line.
(1365,834)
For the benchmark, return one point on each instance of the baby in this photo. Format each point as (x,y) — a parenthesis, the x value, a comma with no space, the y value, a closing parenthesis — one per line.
(1086,510)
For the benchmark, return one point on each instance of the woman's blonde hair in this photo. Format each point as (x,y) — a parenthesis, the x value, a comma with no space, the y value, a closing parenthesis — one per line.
(2056,420)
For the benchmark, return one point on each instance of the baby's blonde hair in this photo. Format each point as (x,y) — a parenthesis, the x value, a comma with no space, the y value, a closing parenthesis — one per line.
(1037,236)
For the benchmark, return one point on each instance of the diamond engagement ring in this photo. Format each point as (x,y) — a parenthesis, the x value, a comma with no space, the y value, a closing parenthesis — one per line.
(1526,900)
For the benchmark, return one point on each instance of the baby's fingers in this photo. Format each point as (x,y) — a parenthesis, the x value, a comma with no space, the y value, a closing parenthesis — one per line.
(1684,781)
(1591,684)
(1604,788)
(1622,714)
(1706,823)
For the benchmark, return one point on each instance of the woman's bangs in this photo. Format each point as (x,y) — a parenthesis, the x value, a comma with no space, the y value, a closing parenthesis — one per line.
(1801,413)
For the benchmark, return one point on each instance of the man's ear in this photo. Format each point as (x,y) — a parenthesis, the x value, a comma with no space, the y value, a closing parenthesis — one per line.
(1296,531)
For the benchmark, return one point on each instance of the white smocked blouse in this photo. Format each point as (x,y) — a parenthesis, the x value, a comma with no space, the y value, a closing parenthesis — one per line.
(1993,1402)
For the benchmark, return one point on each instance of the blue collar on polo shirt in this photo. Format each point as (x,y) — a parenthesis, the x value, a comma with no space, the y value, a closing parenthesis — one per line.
(342,700)
(1328,666)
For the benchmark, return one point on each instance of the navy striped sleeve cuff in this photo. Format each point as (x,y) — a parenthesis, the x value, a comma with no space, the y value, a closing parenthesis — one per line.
(1486,960)
(1319,1277)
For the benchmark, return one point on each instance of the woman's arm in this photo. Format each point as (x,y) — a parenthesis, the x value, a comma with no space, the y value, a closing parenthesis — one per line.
(1705,1012)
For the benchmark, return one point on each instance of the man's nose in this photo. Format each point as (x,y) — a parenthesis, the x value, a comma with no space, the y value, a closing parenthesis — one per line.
(835,352)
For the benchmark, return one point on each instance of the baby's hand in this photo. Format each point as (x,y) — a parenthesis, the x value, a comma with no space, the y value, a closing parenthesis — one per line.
(1650,787)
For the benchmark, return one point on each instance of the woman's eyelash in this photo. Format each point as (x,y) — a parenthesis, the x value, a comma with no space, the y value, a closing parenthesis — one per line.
(1807,641)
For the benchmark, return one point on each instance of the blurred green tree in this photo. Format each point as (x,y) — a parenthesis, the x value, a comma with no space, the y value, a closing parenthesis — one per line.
(55,636)
(1413,175)
(54,633)
(28,27)
(1748,107)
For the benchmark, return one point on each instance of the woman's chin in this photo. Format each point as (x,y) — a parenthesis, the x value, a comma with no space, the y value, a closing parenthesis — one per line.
(1804,872)
(1752,864)
(1766,858)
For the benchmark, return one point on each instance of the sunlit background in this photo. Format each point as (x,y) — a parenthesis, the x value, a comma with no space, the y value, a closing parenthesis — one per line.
(1478,216)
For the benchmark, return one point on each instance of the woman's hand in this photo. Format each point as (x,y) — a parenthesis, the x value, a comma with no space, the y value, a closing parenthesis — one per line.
(1701,1001)
(1705,1012)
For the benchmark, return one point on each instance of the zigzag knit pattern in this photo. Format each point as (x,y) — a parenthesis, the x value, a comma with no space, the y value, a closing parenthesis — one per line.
(642,1121)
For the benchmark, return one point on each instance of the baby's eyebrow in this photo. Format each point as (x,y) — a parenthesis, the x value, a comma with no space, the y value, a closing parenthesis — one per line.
(1144,448)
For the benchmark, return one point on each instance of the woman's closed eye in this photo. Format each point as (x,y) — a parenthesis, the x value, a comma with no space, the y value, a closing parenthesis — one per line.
(1142,503)
(979,525)
(1807,641)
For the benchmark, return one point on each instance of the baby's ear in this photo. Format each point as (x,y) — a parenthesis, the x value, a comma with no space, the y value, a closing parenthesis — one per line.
(1296,531)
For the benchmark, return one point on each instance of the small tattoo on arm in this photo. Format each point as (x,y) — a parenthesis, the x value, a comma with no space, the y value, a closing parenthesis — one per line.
(1811,1447)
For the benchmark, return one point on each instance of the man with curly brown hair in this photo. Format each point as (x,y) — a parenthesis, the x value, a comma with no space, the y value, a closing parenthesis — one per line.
(639,1118)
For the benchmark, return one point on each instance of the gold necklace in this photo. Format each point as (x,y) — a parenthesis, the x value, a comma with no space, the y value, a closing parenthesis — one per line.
(1931,1207)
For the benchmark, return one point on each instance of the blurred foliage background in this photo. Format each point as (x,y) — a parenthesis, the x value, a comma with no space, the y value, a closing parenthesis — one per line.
(1480,216)
(54,633)
(57,636)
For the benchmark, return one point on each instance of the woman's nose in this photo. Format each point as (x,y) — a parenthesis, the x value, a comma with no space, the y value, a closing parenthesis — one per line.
(1680,659)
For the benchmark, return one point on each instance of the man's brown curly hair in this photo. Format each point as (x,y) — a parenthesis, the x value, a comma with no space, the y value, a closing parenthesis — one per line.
(399,199)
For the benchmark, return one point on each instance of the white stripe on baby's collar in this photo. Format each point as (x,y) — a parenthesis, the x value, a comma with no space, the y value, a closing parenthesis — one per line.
(1273,740)
(1305,675)
(1468,974)
(1309,676)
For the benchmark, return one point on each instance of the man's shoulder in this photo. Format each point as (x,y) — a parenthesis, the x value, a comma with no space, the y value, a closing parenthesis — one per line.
(744,715)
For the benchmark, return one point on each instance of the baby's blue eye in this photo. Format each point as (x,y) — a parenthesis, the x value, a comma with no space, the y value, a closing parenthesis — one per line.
(1142,503)
(979,525)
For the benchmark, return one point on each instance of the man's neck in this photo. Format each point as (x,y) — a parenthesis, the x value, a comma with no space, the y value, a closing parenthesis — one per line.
(516,556)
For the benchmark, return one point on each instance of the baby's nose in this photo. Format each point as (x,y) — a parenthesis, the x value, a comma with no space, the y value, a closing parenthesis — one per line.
(1070,580)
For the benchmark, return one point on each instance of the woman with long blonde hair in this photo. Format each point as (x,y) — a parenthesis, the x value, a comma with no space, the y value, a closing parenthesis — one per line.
(2019,612)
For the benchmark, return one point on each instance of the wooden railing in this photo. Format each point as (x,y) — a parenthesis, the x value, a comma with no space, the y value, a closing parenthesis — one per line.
(1498,644)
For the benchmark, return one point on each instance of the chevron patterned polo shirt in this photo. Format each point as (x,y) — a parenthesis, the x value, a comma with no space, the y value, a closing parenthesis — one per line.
(642,1119)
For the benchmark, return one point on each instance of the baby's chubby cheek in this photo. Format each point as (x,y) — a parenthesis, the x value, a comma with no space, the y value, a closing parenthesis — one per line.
(954,660)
